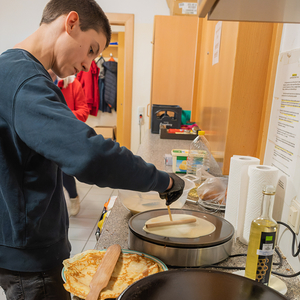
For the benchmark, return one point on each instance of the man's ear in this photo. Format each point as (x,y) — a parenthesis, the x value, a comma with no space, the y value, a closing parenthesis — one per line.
(72,20)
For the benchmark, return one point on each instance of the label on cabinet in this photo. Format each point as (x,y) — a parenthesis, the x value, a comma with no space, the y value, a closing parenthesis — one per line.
(178,8)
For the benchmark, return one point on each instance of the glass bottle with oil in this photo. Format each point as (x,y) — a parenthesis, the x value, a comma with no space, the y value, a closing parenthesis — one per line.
(262,241)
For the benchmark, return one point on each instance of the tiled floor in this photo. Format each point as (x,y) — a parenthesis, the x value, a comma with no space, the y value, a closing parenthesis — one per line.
(83,226)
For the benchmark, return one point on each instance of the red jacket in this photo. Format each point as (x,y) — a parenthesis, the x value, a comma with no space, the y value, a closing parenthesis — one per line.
(89,82)
(75,98)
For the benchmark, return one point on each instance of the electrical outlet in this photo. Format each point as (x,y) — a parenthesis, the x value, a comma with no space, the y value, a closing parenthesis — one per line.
(294,215)
(141,114)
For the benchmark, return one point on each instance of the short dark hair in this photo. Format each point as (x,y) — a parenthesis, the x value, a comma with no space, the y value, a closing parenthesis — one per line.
(91,15)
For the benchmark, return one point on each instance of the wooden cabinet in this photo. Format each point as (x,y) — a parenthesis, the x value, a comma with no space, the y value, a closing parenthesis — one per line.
(231,98)
(173,62)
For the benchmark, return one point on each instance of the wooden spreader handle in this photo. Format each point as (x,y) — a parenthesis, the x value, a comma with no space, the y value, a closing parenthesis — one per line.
(102,276)
(167,223)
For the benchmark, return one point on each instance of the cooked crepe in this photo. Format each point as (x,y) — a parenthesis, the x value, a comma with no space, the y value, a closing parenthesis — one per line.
(193,194)
(130,267)
(191,230)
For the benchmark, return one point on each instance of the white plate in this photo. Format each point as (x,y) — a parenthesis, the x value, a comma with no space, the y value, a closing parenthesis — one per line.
(159,262)
(275,283)
(213,206)
(137,202)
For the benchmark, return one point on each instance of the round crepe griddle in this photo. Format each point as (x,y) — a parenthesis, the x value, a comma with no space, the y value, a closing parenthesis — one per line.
(198,284)
(223,233)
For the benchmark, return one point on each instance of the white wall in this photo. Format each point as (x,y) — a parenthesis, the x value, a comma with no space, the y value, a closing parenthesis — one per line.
(290,40)
(144,12)
(19,18)
(290,37)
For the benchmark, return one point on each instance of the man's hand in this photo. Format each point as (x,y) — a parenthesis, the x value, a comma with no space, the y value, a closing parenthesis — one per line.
(174,190)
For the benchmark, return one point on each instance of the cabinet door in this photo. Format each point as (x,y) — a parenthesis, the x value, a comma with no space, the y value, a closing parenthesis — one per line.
(173,64)
(232,97)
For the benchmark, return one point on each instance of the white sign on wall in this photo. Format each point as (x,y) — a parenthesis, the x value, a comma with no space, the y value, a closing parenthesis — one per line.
(284,127)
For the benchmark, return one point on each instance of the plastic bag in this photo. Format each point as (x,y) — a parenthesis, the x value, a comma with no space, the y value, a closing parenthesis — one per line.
(202,174)
(213,190)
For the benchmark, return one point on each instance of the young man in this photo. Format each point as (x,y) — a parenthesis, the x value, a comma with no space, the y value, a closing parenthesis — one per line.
(40,136)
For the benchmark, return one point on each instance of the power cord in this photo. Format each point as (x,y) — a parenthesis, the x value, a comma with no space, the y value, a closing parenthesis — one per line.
(241,268)
(279,264)
(293,251)
(294,239)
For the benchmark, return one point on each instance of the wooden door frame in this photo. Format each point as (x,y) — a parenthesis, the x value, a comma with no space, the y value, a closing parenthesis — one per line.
(268,98)
(124,107)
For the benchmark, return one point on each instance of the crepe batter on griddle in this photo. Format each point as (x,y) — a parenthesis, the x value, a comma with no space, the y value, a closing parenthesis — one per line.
(191,230)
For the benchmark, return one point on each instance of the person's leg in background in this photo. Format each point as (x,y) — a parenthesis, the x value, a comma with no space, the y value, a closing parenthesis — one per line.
(33,285)
(70,185)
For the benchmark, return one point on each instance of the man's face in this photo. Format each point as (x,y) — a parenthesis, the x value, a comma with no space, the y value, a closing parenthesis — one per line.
(76,50)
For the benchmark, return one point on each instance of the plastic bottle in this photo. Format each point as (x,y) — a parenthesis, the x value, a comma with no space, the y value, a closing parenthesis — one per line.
(262,241)
(199,154)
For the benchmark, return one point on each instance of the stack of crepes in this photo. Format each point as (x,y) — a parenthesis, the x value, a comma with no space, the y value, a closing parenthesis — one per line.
(130,267)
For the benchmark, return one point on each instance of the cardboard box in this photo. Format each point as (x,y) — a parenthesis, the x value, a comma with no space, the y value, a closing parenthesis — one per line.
(179,160)
(182,7)
(108,132)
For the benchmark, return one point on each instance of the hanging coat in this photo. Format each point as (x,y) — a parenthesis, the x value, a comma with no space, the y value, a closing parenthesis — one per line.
(89,82)
(110,83)
(102,104)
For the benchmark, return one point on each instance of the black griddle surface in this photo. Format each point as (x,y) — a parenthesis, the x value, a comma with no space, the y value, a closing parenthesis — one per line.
(223,233)
(197,284)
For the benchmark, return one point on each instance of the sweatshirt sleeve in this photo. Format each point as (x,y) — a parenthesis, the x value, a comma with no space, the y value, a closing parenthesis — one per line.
(46,125)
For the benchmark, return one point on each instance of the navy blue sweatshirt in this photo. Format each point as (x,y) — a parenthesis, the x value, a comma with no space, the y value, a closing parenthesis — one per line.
(39,137)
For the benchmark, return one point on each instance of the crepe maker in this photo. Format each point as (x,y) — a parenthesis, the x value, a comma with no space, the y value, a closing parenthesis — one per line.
(197,284)
(182,252)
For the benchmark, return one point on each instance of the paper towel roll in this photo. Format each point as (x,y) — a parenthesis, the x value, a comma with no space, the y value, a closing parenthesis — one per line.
(237,190)
(259,176)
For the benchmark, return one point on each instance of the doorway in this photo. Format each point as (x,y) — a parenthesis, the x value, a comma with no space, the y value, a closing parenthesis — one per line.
(124,88)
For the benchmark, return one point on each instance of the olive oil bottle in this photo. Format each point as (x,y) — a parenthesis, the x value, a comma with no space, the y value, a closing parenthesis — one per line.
(262,241)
